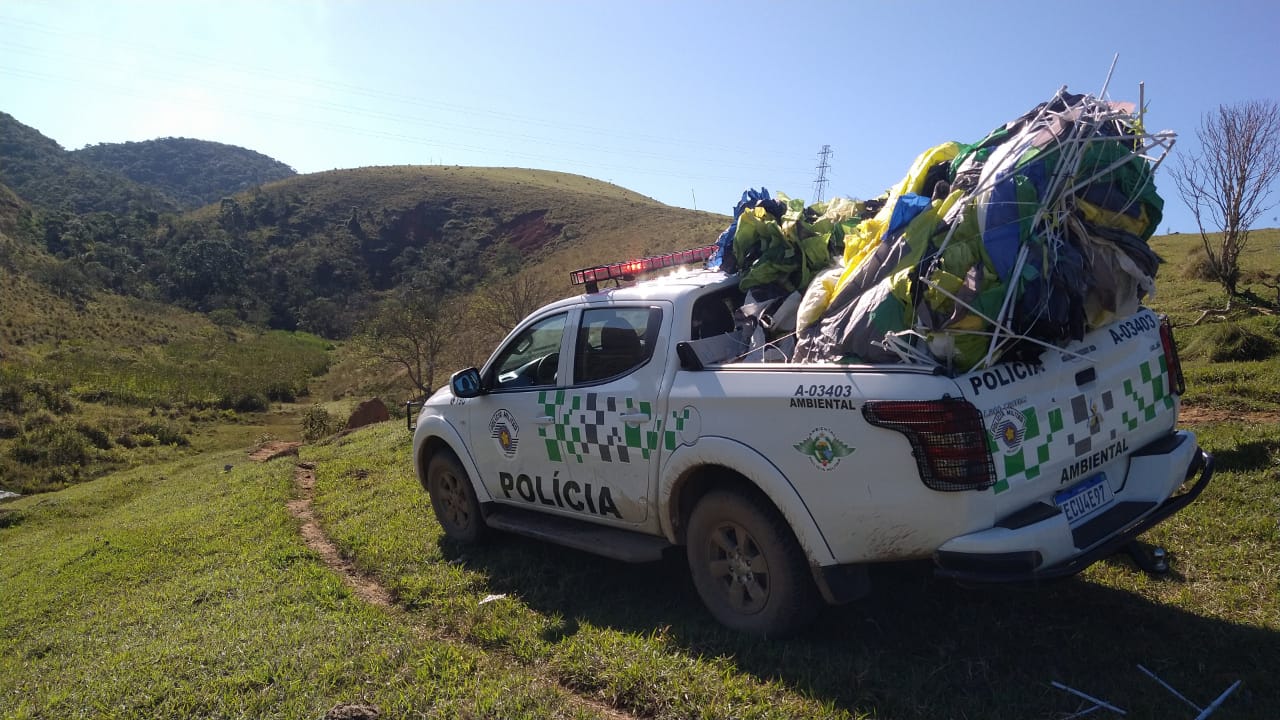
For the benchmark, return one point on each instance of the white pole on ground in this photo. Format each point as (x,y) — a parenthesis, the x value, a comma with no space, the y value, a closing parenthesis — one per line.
(1090,698)
(1214,705)
(1168,687)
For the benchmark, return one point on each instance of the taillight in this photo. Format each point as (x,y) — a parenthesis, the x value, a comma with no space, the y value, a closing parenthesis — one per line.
(1177,383)
(947,438)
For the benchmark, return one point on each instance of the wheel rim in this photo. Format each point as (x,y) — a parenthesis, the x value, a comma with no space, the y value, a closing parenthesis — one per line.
(453,500)
(738,566)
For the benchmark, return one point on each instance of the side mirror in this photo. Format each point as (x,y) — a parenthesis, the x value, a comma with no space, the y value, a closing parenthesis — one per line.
(466,383)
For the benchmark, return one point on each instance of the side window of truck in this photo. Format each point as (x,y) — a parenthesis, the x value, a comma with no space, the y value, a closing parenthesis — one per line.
(713,314)
(532,357)
(614,341)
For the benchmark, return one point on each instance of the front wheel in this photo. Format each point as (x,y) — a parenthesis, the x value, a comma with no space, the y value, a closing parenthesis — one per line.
(747,566)
(453,499)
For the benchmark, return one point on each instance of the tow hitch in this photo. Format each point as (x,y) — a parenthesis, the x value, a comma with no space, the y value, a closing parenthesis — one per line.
(1153,562)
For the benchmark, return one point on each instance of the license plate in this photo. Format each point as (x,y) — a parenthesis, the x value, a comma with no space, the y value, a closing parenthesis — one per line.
(1084,499)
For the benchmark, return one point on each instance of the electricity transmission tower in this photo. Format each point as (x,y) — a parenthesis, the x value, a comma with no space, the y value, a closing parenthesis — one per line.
(820,185)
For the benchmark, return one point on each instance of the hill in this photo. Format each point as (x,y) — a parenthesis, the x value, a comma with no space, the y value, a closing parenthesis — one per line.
(192,172)
(316,251)
(94,351)
(41,172)
(92,381)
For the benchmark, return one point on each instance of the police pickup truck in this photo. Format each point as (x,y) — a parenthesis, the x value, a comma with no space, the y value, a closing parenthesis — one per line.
(618,422)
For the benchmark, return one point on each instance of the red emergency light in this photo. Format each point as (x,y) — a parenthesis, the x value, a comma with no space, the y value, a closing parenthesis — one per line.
(628,269)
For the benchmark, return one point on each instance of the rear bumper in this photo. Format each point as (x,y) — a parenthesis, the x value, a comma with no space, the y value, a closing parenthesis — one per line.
(1011,555)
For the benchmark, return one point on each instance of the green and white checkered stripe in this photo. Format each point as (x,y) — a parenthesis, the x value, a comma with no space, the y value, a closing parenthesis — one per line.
(1077,427)
(675,426)
(1148,395)
(591,425)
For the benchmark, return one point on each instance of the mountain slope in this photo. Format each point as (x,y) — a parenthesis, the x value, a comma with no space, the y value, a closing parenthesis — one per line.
(193,172)
(91,380)
(41,172)
(315,250)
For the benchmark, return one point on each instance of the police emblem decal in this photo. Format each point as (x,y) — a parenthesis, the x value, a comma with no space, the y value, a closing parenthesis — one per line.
(504,429)
(1009,428)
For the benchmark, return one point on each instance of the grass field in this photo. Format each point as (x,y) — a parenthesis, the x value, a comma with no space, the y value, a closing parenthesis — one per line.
(94,383)
(184,589)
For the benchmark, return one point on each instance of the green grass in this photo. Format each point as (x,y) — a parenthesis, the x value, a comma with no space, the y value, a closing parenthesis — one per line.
(180,590)
(917,648)
(185,591)
(214,369)
(97,383)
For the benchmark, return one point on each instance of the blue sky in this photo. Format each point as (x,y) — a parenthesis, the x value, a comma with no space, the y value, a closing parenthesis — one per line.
(686,102)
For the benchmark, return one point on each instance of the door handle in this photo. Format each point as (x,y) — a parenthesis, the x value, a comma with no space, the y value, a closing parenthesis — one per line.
(544,419)
(634,417)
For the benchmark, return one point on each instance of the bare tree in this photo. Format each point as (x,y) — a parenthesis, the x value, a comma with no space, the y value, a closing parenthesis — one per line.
(506,301)
(413,331)
(1228,185)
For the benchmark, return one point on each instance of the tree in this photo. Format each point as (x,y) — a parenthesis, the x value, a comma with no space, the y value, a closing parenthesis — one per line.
(505,301)
(412,330)
(1229,183)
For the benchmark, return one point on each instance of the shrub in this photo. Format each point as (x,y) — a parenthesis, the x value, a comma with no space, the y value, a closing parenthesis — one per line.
(317,423)
(1229,342)
(281,392)
(163,433)
(1198,267)
(25,453)
(38,420)
(53,445)
(9,518)
(244,402)
(96,436)
(25,395)
(68,447)
(224,317)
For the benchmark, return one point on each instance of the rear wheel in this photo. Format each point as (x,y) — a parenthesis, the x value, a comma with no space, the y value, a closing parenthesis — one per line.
(453,499)
(747,566)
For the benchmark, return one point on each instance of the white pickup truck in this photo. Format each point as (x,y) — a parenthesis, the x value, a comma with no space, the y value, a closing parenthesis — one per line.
(617,422)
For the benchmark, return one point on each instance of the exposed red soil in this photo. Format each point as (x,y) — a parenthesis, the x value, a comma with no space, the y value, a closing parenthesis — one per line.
(529,231)
(273,450)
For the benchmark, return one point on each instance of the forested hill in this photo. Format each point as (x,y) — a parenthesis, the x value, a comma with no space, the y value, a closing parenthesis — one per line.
(41,172)
(193,172)
(154,176)
(314,251)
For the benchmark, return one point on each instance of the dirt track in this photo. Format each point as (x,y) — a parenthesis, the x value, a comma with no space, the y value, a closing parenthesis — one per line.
(1199,416)
(365,587)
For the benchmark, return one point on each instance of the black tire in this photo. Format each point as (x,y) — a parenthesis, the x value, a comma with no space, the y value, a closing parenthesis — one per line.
(747,566)
(453,499)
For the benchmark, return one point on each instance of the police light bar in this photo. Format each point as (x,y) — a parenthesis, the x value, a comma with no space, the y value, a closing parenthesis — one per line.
(628,269)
